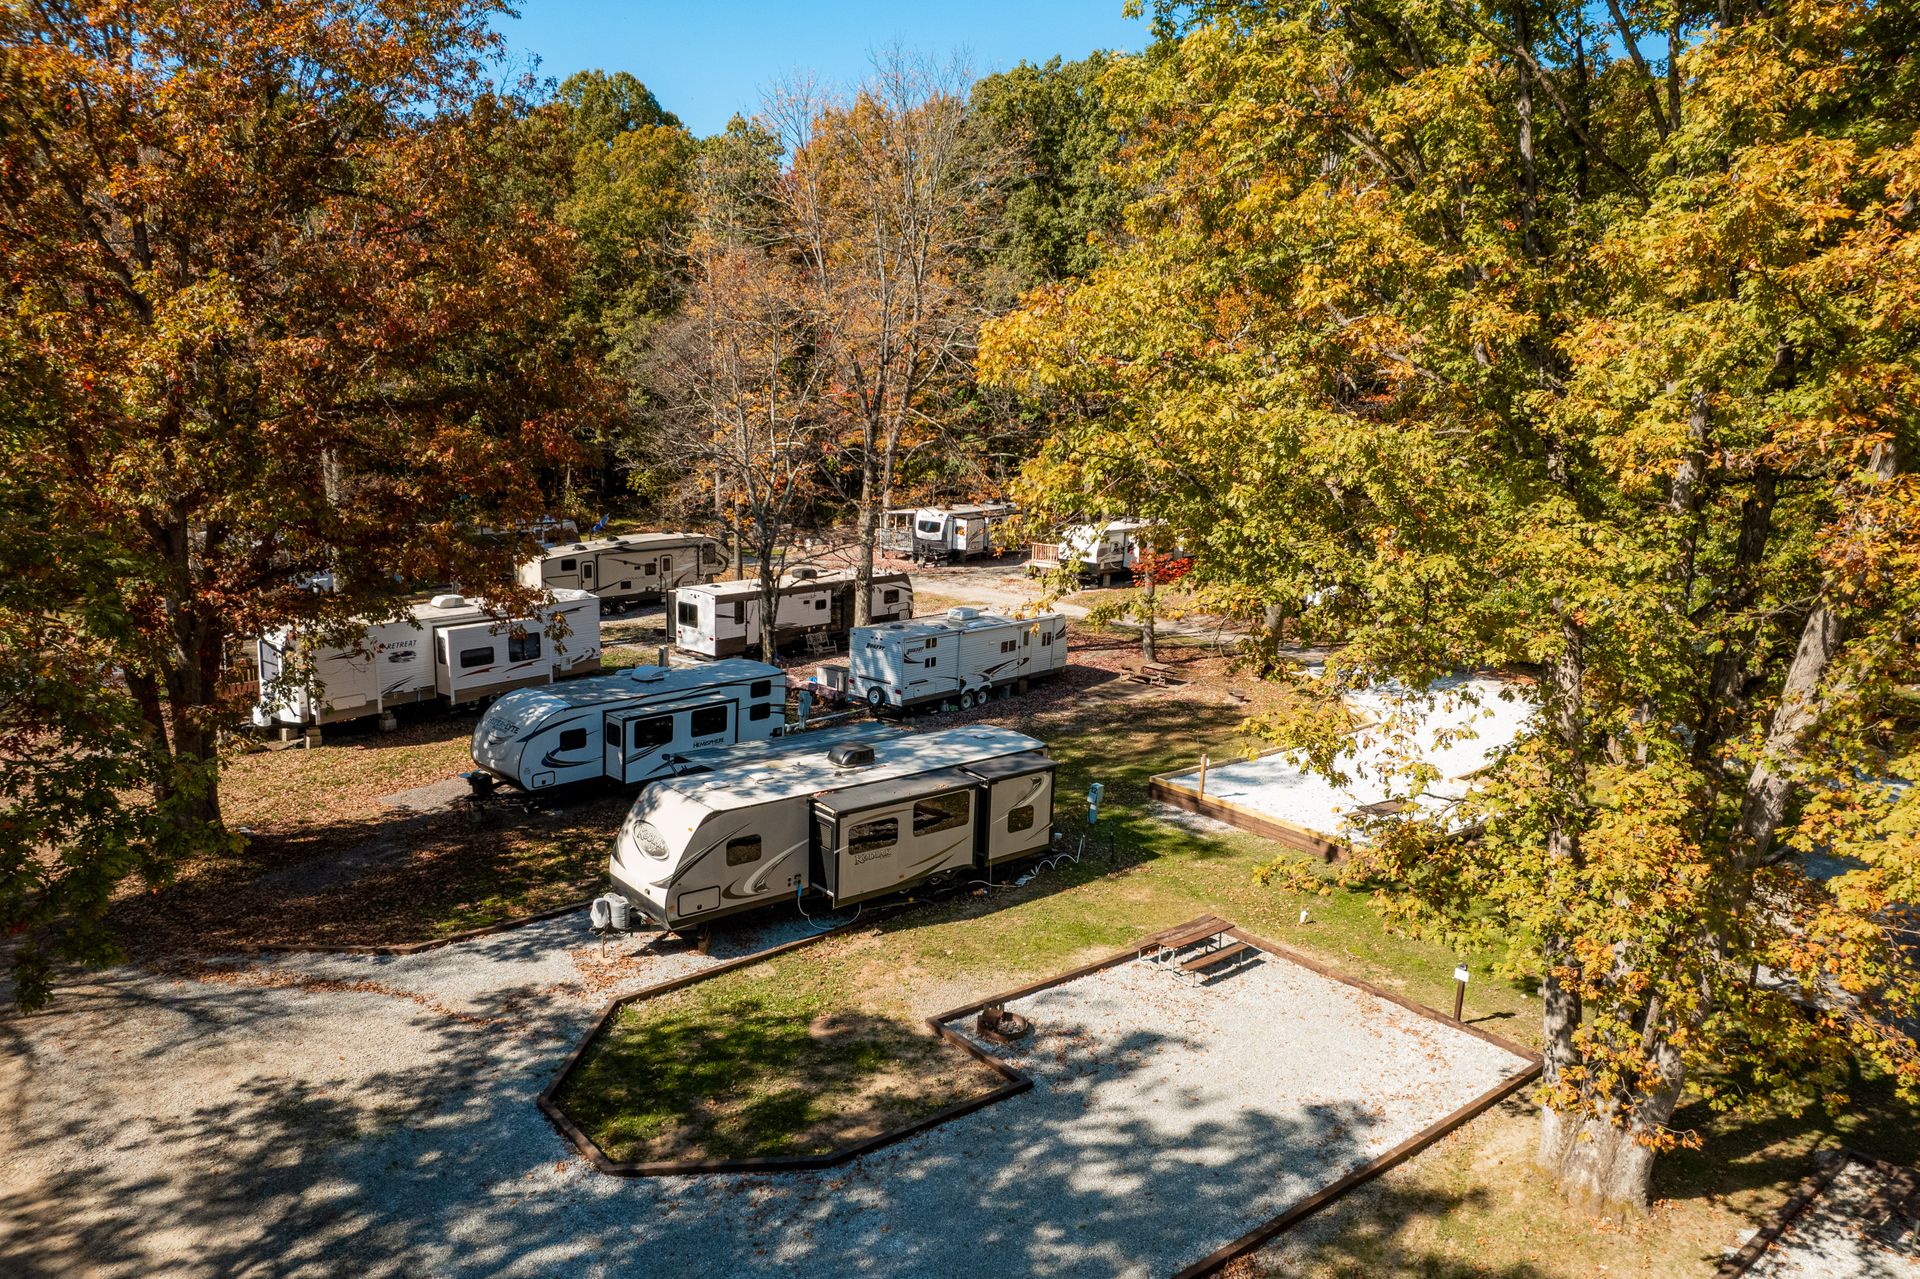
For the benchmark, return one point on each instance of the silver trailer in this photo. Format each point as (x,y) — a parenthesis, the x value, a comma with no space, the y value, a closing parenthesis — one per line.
(841,817)
(629,727)
(450,649)
(964,657)
(722,619)
(627,569)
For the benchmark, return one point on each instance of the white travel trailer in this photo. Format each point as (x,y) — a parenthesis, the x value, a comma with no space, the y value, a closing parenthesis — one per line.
(964,656)
(629,568)
(839,818)
(1097,552)
(935,534)
(630,726)
(450,648)
(722,619)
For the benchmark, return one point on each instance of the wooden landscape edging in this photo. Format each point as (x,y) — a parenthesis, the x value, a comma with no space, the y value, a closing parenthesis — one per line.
(1015,1081)
(1829,1165)
(1162,787)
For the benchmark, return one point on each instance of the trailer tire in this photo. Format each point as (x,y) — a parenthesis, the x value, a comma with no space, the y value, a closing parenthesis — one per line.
(876,698)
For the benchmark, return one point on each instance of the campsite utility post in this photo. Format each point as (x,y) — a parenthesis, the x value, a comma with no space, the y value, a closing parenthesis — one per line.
(1459,989)
(1094,794)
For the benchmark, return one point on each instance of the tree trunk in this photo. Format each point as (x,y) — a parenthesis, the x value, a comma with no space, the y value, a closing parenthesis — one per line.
(769,601)
(866,532)
(1148,612)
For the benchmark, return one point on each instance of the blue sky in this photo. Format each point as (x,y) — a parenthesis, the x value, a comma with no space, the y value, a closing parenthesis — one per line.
(706,59)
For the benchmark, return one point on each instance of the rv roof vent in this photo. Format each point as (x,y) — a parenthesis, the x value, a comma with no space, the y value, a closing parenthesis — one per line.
(963,614)
(449,601)
(850,755)
(804,574)
(647,672)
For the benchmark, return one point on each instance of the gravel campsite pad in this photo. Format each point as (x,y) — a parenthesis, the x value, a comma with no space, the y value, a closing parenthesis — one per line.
(1864,1224)
(321,1115)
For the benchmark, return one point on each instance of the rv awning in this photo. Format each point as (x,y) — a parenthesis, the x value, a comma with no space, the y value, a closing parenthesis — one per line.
(992,770)
(858,799)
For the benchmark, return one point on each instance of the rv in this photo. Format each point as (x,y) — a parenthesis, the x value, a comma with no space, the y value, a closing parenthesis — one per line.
(628,569)
(449,649)
(840,819)
(936,534)
(964,657)
(630,726)
(1097,552)
(722,619)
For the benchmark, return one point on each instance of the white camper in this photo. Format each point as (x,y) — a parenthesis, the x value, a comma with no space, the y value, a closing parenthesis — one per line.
(630,726)
(936,534)
(1097,552)
(964,656)
(450,648)
(722,619)
(630,568)
(843,819)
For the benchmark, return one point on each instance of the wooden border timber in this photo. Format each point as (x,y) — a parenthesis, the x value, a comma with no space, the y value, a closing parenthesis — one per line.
(1163,788)
(1830,1164)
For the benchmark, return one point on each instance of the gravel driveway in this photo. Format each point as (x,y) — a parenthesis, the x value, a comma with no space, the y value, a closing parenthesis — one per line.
(374,1117)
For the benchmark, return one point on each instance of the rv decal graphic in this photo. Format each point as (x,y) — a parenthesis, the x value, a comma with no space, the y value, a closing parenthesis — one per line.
(553,759)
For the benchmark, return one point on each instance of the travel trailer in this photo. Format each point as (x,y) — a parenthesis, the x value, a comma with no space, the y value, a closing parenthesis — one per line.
(629,726)
(722,619)
(935,534)
(627,569)
(450,649)
(964,657)
(834,818)
(1098,552)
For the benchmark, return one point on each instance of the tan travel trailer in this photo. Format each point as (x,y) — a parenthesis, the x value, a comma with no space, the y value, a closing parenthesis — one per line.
(842,817)
(628,569)
(451,649)
(1096,552)
(722,619)
(964,657)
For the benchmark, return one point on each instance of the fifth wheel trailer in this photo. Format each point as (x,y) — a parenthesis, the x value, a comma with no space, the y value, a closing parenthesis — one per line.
(450,649)
(627,727)
(630,568)
(965,656)
(722,619)
(843,820)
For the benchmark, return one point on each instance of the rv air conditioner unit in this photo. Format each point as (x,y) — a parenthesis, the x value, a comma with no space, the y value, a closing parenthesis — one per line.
(851,755)
(449,601)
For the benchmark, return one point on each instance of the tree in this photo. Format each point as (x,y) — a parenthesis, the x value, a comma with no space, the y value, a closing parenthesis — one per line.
(1452,331)
(881,200)
(283,316)
(1062,202)
(734,377)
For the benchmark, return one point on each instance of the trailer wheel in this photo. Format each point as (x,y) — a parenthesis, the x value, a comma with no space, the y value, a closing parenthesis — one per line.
(968,700)
(876,698)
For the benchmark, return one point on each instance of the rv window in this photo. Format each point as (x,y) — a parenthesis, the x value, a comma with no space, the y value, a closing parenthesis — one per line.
(522,648)
(742,851)
(869,836)
(942,812)
(760,688)
(567,566)
(689,613)
(472,657)
(573,739)
(708,720)
(710,553)
(820,603)
(1020,818)
(933,643)
(739,612)
(651,734)
(1007,646)
(1047,638)
(930,526)
(763,711)
(648,568)
(890,597)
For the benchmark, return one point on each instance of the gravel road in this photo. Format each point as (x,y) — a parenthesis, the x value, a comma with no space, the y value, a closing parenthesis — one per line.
(347,1115)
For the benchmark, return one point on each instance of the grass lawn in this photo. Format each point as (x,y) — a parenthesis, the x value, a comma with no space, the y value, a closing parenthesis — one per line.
(1471,1205)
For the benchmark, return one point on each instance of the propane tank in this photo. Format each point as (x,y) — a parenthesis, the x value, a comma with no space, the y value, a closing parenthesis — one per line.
(619,912)
(600,914)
